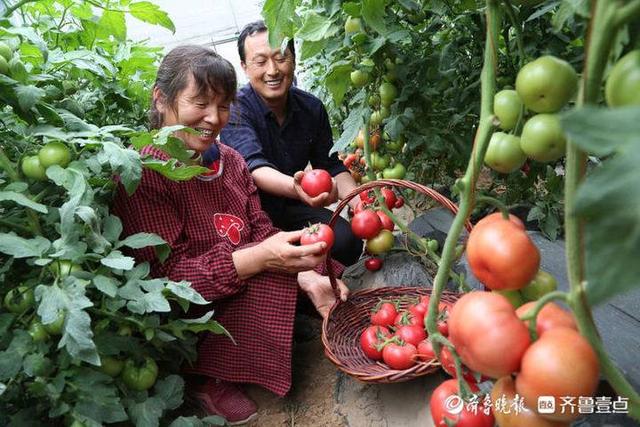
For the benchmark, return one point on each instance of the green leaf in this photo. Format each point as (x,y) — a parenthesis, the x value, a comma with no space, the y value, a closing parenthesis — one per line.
(170,389)
(602,131)
(112,228)
(124,162)
(97,398)
(351,127)
(112,23)
(28,96)
(141,240)
(106,285)
(316,27)
(185,291)
(338,82)
(609,204)
(147,412)
(174,170)
(352,9)
(22,200)
(373,12)
(310,49)
(117,260)
(18,247)
(151,13)
(278,16)
(10,364)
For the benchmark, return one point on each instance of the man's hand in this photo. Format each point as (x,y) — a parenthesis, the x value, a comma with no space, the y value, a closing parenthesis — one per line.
(321,200)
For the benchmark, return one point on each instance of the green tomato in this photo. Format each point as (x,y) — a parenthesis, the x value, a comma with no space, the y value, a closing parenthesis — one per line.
(111,365)
(4,66)
(507,107)
(32,168)
(546,84)
(384,112)
(378,161)
(388,93)
(5,52)
(54,153)
(374,100)
(64,267)
(376,118)
(380,243)
(55,328)
(389,64)
(542,138)
(504,154)
(139,377)
(623,83)
(38,332)
(514,297)
(352,25)
(360,78)
(541,285)
(398,171)
(19,299)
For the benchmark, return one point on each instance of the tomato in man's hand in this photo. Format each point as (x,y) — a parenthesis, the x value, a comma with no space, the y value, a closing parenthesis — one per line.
(318,233)
(316,182)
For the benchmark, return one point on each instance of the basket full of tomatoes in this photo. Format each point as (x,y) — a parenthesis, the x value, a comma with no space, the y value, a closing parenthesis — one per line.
(378,335)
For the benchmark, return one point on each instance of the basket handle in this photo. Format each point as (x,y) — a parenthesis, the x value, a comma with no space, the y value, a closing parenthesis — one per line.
(433,194)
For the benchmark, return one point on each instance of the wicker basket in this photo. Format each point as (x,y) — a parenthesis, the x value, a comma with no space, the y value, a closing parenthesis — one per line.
(346,320)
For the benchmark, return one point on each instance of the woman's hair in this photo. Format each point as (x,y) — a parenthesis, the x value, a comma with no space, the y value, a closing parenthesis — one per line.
(212,74)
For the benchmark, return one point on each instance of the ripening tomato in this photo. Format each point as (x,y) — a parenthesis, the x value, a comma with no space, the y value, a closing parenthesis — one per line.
(501,254)
(381,243)
(389,197)
(399,356)
(411,334)
(350,160)
(448,408)
(316,182)
(352,25)
(367,196)
(399,202)
(560,363)
(487,333)
(542,284)
(366,224)
(139,377)
(503,395)
(384,314)
(373,264)
(387,223)
(372,337)
(550,317)
(318,233)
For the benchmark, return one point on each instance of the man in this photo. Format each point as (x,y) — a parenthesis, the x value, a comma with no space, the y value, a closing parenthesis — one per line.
(279,129)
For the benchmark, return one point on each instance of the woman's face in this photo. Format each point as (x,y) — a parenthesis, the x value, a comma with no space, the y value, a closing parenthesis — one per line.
(205,112)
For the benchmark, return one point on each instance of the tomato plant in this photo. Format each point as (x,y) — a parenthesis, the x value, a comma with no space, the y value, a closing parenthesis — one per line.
(318,233)
(111,366)
(19,299)
(507,107)
(32,168)
(316,182)
(495,246)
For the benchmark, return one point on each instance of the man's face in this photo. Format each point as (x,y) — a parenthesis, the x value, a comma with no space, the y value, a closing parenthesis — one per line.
(270,71)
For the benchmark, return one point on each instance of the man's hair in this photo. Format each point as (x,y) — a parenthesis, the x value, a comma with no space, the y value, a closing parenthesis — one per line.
(212,75)
(254,28)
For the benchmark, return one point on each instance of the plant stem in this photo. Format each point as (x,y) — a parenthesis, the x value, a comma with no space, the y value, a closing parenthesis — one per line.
(485,128)
(15,7)
(494,202)
(605,23)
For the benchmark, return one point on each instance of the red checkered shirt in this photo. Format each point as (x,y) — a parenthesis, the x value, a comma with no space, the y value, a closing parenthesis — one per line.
(204,222)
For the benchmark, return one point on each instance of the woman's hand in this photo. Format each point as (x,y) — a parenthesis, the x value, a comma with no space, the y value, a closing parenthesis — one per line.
(281,255)
(318,288)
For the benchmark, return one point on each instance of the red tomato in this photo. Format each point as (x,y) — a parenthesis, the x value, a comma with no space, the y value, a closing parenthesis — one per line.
(318,233)
(407,318)
(418,310)
(501,254)
(446,406)
(367,196)
(373,264)
(384,315)
(366,224)
(411,334)
(551,316)
(425,350)
(449,366)
(443,327)
(349,160)
(399,356)
(360,207)
(399,202)
(389,197)
(487,333)
(316,182)
(560,363)
(387,222)
(370,338)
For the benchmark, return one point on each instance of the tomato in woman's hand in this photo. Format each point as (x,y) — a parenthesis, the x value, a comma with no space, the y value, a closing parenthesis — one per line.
(447,408)
(399,356)
(384,314)
(550,317)
(318,233)
(366,224)
(316,182)
(373,264)
(411,334)
(487,333)
(560,363)
(501,254)
(370,338)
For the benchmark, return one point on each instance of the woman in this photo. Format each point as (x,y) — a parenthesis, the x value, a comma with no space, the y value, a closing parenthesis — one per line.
(222,242)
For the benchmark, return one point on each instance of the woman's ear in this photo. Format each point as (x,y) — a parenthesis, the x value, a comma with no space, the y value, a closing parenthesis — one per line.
(159,100)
